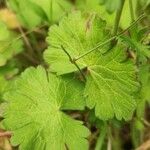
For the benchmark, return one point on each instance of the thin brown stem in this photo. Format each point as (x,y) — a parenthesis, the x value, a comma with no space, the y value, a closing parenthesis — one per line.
(5,134)
(21,36)
(30,49)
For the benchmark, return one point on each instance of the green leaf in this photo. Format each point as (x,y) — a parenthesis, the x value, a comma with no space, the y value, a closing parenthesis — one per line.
(77,34)
(94,6)
(54,9)
(38,10)
(111,6)
(34,114)
(144,2)
(111,82)
(4,33)
(25,15)
(34,12)
(74,98)
(3,83)
(7,72)
(8,47)
(142,50)
(110,87)
(2,60)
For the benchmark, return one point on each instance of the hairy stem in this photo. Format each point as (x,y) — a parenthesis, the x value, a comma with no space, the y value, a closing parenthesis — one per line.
(118,16)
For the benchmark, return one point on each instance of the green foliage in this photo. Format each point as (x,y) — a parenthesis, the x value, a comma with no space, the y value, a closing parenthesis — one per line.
(144,2)
(102,10)
(111,6)
(24,13)
(94,6)
(83,77)
(7,49)
(54,9)
(110,82)
(33,12)
(37,101)
(2,86)
(136,44)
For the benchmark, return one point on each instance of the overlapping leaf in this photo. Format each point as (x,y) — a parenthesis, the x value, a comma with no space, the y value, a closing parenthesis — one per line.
(35,115)
(110,82)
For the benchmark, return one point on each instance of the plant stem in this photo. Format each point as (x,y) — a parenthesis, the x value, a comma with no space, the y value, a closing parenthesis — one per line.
(118,16)
(73,62)
(111,39)
(101,138)
(94,48)
(131,10)
(116,140)
(109,143)
(6,134)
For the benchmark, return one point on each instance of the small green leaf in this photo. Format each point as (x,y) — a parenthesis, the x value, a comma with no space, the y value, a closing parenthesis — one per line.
(34,113)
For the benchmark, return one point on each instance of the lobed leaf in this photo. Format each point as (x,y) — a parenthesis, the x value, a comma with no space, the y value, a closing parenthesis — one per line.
(111,81)
(34,113)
